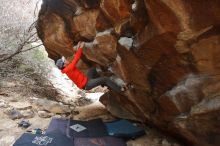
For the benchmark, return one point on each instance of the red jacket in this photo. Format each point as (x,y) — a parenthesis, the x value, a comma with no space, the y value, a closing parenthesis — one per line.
(73,73)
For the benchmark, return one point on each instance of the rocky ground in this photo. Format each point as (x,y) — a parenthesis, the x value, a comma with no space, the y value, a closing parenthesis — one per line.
(25,93)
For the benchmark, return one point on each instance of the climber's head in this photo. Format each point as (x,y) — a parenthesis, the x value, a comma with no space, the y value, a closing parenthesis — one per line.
(62,63)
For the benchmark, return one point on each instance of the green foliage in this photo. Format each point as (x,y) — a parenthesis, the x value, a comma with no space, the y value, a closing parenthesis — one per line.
(39,54)
(25,68)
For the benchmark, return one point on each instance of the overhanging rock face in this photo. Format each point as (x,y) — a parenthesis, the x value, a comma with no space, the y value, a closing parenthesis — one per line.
(166,51)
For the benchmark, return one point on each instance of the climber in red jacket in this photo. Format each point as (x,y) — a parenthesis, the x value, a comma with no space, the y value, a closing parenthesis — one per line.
(84,82)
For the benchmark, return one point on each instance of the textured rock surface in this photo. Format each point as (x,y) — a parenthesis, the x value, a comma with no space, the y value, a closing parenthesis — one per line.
(51,106)
(172,67)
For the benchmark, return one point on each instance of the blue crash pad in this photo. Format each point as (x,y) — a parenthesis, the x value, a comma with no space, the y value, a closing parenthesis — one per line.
(124,129)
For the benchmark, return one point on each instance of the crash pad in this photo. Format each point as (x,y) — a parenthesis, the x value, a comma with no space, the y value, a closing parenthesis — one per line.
(28,139)
(124,129)
(91,128)
(76,128)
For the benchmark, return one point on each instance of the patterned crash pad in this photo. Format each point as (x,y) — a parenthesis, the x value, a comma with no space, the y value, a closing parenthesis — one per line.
(28,139)
(75,128)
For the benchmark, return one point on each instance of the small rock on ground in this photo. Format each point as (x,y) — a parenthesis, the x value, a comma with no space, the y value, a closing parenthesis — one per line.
(20,105)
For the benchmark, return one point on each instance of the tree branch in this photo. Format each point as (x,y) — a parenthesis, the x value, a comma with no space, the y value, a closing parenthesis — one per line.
(19,50)
(31,48)
(28,38)
(12,55)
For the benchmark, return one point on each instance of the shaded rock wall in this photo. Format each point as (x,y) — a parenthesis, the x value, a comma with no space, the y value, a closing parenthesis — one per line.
(166,51)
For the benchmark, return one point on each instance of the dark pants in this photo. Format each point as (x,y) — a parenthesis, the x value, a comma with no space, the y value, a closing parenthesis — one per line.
(94,80)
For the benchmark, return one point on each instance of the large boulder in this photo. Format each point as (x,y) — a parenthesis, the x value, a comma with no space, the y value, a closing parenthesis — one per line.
(167,52)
